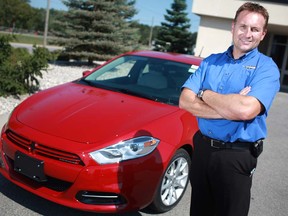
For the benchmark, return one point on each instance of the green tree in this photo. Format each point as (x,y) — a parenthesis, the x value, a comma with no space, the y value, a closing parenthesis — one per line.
(147,33)
(19,69)
(97,30)
(174,35)
(56,16)
(15,13)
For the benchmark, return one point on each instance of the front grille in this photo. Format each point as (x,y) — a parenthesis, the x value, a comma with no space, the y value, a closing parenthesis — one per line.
(18,140)
(57,184)
(43,150)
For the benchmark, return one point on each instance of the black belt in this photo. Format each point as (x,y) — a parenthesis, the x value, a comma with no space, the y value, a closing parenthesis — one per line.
(228,145)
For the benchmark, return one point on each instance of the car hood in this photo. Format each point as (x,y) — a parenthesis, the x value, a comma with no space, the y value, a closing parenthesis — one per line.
(88,114)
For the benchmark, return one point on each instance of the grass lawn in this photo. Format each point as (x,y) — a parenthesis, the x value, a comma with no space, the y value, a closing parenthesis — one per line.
(28,39)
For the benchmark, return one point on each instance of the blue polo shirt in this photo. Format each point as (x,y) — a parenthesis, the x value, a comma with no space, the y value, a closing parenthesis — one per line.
(223,74)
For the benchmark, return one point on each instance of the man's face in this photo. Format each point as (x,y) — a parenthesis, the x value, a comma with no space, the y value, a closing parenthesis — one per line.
(247,32)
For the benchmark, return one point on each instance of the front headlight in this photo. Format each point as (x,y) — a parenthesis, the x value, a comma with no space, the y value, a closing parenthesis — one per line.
(125,150)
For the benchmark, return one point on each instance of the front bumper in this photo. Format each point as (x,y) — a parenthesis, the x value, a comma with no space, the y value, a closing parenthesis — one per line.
(112,188)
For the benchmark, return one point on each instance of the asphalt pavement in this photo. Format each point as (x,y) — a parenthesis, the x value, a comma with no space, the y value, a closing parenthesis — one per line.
(269,190)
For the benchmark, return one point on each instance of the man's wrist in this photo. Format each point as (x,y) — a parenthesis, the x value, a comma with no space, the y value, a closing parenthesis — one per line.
(201,93)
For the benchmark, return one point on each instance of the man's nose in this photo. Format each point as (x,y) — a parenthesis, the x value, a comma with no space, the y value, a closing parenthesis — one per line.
(248,32)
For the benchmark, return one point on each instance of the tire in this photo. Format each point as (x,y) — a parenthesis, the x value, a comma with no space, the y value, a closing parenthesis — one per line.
(173,183)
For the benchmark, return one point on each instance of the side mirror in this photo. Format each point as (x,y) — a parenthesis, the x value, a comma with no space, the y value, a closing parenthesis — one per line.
(86,73)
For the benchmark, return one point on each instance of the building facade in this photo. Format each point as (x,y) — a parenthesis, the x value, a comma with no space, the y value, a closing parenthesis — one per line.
(214,33)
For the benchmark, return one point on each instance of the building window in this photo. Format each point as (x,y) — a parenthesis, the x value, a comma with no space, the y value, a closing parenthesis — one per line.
(279,53)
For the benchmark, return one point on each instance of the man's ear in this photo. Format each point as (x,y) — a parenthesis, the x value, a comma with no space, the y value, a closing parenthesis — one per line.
(263,34)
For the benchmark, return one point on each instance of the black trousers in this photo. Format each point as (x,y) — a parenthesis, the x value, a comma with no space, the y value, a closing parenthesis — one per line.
(221,180)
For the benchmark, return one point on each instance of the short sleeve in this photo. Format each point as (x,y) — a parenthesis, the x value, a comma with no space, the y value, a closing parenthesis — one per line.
(265,82)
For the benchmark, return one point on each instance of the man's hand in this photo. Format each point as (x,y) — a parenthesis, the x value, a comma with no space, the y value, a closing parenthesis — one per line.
(217,106)
(234,106)
(245,90)
(191,103)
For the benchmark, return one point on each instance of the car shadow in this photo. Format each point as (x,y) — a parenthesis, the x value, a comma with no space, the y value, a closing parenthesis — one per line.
(39,205)
(152,164)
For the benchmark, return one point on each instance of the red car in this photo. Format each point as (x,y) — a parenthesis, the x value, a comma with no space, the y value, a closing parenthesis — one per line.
(111,141)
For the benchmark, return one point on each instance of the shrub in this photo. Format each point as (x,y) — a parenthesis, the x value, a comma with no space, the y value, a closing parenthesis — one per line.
(19,69)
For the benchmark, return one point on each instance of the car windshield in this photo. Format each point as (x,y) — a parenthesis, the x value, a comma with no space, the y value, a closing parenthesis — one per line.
(152,78)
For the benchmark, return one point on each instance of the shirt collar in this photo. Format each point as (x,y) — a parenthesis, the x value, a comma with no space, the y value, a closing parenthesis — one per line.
(246,56)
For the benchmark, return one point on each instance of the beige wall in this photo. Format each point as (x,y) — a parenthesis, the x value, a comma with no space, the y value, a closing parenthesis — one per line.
(214,36)
(217,8)
(214,32)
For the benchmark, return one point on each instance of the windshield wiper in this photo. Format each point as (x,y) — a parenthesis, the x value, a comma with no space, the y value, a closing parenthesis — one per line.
(138,94)
(88,82)
(94,83)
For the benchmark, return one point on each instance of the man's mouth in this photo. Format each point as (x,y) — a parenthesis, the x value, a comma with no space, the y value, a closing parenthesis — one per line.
(244,42)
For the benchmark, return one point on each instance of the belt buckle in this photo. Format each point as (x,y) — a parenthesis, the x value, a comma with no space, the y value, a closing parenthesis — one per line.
(212,144)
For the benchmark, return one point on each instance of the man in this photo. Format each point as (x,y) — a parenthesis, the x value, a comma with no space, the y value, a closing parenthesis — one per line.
(230,94)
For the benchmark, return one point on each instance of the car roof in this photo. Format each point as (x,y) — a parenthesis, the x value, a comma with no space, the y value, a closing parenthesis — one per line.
(183,58)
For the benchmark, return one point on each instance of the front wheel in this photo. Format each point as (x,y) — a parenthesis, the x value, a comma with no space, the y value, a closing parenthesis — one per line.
(174,182)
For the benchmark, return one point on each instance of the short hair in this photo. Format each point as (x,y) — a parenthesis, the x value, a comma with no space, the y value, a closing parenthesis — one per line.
(253,7)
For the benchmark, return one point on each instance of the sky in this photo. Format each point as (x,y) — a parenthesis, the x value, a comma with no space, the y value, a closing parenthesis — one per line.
(150,12)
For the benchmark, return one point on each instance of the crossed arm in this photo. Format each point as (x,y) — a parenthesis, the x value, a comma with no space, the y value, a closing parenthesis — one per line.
(219,106)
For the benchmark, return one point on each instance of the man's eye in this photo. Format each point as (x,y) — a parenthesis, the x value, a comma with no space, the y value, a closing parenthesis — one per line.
(255,30)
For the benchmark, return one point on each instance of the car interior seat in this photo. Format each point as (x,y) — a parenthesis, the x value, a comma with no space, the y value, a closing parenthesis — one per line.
(154,78)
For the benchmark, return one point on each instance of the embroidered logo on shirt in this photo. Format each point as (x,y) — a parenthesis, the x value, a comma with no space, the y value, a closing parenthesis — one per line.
(250,67)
